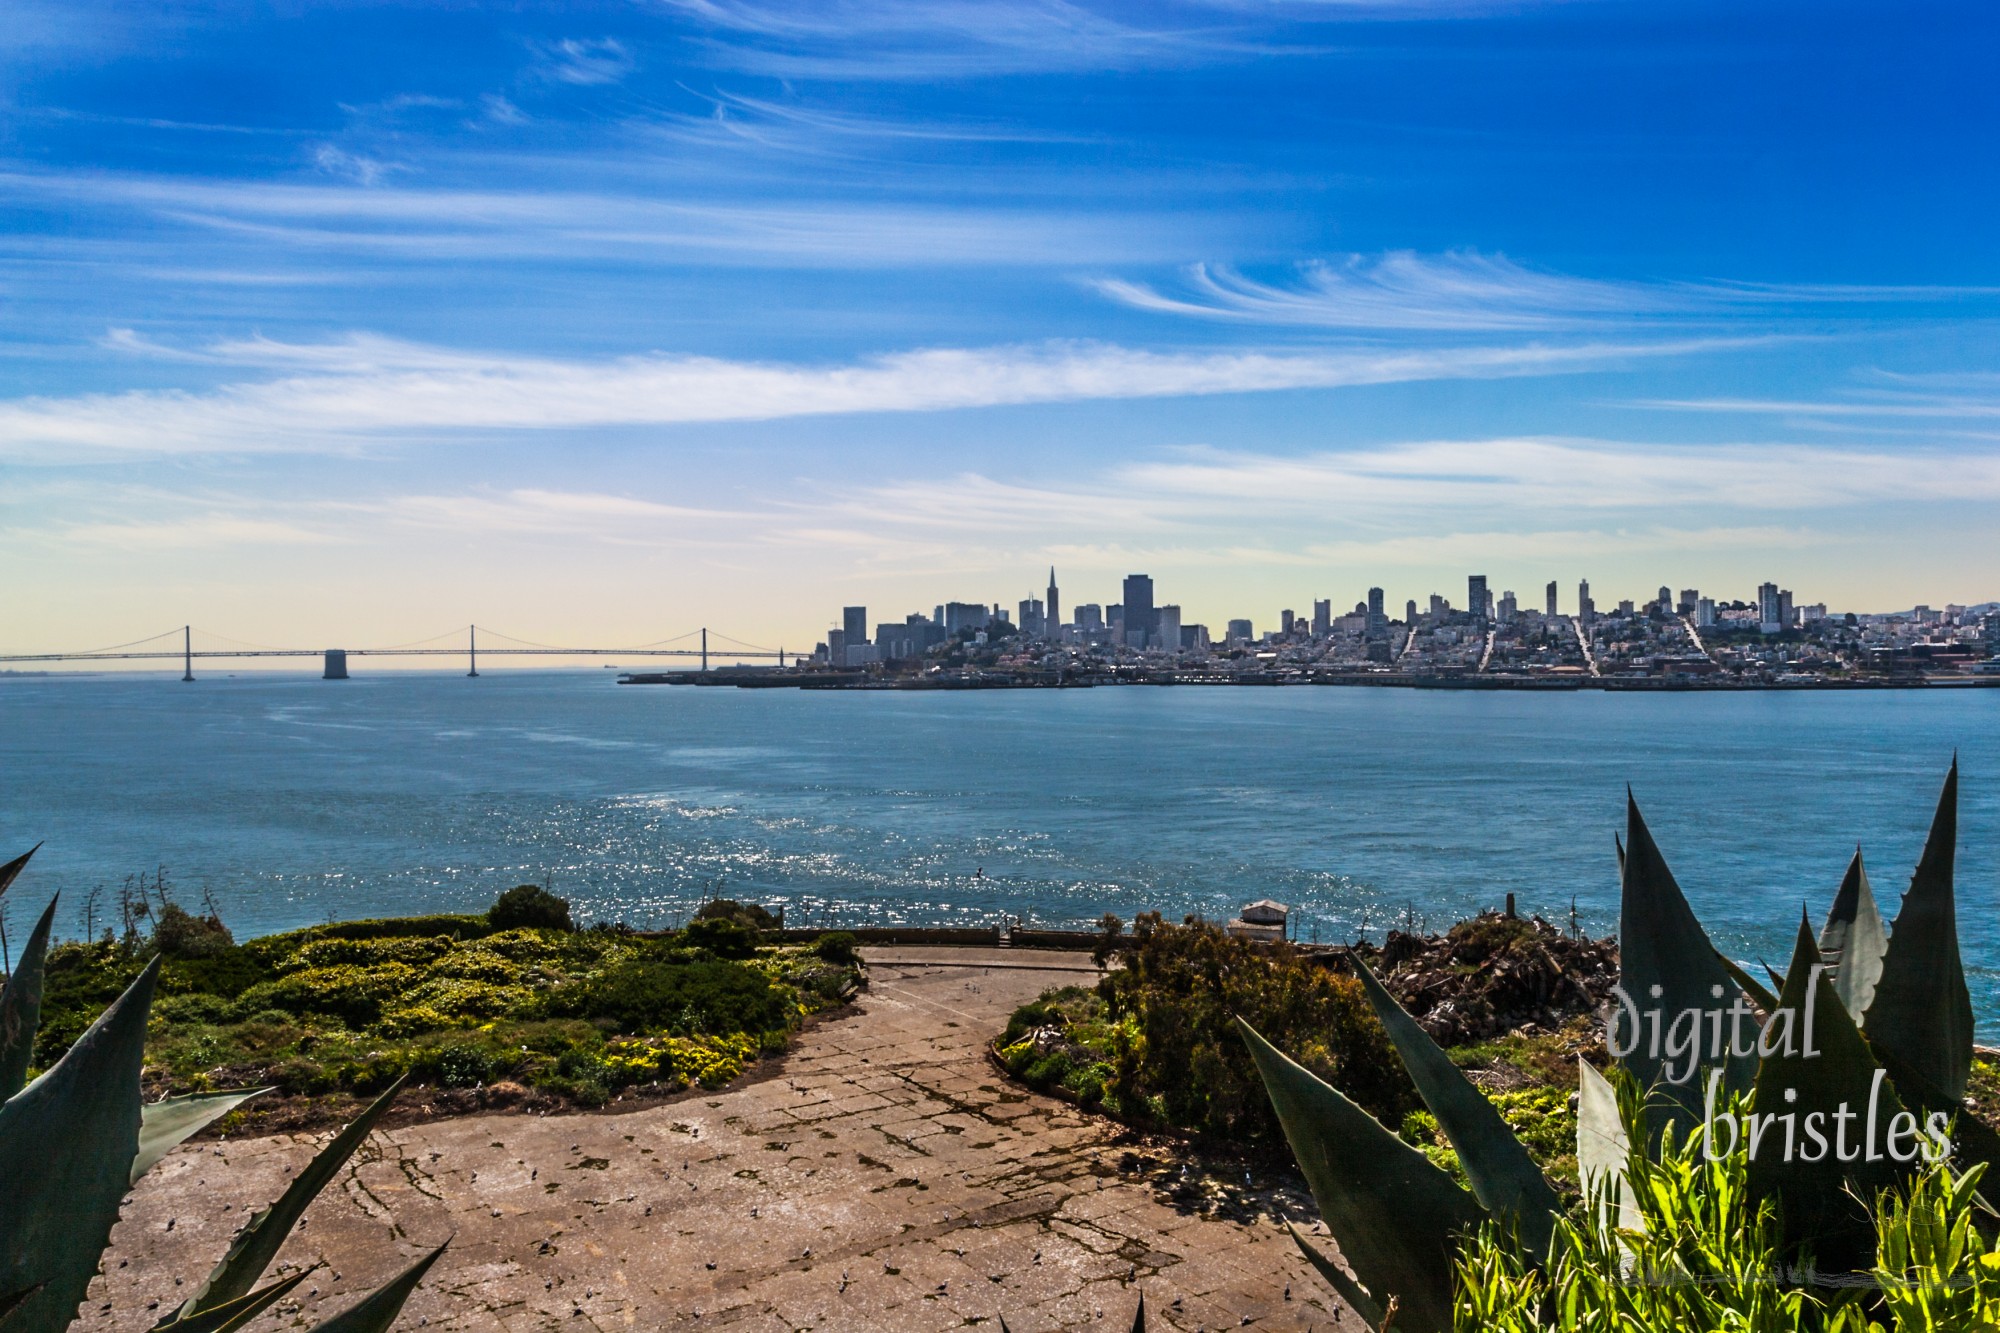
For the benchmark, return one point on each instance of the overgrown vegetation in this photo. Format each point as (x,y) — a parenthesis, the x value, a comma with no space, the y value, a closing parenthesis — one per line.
(512,1003)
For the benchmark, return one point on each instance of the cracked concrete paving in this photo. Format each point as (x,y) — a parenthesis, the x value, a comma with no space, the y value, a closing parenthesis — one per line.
(885,1178)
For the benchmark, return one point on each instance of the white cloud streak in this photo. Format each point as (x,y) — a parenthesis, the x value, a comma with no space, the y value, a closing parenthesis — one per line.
(362,389)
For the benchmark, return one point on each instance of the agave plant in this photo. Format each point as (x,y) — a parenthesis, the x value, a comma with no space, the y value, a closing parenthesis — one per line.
(75,1140)
(1890,1024)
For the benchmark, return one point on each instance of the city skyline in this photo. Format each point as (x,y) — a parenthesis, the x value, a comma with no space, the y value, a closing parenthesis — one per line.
(598,323)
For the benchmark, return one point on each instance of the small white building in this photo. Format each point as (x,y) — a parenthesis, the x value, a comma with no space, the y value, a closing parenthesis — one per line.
(1262,920)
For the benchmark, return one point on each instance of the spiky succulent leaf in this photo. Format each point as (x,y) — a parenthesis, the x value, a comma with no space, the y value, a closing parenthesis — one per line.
(1765,998)
(1504,1177)
(259,1240)
(1662,945)
(1395,1216)
(1853,941)
(1139,1319)
(1830,1074)
(12,870)
(21,1008)
(235,1314)
(165,1124)
(66,1142)
(1604,1150)
(1922,1013)
(376,1311)
(14,1301)
(1336,1277)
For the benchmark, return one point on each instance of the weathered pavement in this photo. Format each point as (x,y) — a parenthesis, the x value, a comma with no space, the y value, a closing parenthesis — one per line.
(887,1178)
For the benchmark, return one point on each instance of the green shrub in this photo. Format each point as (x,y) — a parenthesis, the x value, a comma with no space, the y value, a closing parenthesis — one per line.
(838,946)
(747,915)
(529,905)
(179,933)
(645,995)
(720,938)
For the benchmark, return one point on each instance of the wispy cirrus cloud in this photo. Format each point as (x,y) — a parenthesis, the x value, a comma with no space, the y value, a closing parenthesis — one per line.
(587,61)
(347,393)
(1463,291)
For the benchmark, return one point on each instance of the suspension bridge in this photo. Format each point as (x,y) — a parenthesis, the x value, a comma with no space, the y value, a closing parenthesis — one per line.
(160,647)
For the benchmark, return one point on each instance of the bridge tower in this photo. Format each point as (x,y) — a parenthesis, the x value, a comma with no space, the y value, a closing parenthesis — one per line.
(472,632)
(336,664)
(187,652)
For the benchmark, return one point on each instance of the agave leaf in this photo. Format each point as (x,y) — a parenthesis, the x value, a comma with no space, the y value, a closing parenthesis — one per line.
(376,1311)
(165,1124)
(1336,1277)
(21,1008)
(9,1304)
(65,1143)
(1973,1143)
(1921,1013)
(1853,941)
(258,1242)
(1764,997)
(1823,1204)
(1604,1149)
(1395,1216)
(1662,945)
(12,870)
(1504,1177)
(235,1314)
(1139,1319)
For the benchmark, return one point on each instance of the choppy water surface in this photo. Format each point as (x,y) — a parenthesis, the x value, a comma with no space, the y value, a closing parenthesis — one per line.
(294,800)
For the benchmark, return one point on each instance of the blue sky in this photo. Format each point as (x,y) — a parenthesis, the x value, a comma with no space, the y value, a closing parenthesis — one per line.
(351,322)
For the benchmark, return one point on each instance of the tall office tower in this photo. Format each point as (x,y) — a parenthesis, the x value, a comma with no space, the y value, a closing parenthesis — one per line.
(1785,616)
(1475,595)
(964,615)
(836,647)
(1666,600)
(854,620)
(1240,631)
(1168,635)
(1138,605)
(1508,607)
(1378,624)
(1551,594)
(1032,623)
(1767,608)
(1690,599)
(1410,613)
(1054,611)
(1322,618)
(1090,616)
(1704,613)
(1439,605)
(1285,623)
(1586,610)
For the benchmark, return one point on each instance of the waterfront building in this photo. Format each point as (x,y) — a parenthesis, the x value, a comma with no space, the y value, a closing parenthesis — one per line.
(836,647)
(854,623)
(913,638)
(1767,608)
(1475,596)
(1240,632)
(1378,623)
(1054,607)
(1550,594)
(1322,618)
(1168,635)
(1138,605)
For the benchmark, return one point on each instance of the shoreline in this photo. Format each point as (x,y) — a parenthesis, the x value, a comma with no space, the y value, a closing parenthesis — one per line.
(760,680)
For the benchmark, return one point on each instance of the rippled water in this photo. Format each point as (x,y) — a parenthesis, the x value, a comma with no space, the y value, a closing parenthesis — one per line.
(294,800)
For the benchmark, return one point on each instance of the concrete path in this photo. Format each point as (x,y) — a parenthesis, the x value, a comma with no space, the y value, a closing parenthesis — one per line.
(885,1178)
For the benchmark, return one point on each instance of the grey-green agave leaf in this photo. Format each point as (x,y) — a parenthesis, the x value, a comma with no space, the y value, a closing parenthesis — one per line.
(1662,946)
(1822,1203)
(1336,1277)
(235,1314)
(66,1143)
(21,1008)
(12,870)
(1921,1014)
(1853,941)
(1504,1177)
(1763,996)
(165,1124)
(259,1240)
(1395,1216)
(376,1311)
(1604,1150)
